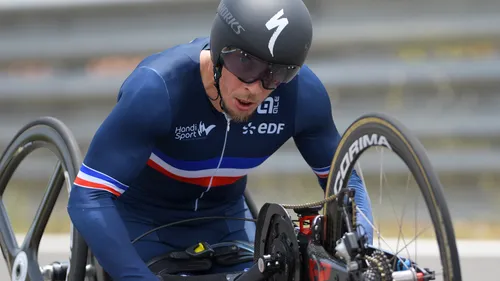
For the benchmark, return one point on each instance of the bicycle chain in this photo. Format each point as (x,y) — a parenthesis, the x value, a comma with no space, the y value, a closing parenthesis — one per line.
(310,205)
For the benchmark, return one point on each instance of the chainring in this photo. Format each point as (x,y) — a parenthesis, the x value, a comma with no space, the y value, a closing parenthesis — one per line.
(275,234)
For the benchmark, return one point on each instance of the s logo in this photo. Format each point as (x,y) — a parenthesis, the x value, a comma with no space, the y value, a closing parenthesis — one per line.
(279,24)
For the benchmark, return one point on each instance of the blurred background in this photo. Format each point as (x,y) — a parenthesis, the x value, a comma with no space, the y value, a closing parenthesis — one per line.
(432,64)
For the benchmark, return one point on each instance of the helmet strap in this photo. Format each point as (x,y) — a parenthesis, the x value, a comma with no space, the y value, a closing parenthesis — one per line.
(217,75)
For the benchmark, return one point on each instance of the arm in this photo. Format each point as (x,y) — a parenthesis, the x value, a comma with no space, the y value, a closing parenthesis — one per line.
(118,152)
(317,138)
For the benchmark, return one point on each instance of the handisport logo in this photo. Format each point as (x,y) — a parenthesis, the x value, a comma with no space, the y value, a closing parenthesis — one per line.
(193,132)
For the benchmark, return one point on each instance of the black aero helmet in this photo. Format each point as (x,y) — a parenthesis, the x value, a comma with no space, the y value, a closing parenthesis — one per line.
(276,31)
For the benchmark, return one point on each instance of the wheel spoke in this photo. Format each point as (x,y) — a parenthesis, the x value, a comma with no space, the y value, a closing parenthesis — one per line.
(8,240)
(8,165)
(34,235)
(33,268)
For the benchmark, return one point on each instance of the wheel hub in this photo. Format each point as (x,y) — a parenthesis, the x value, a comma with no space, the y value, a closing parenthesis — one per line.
(20,267)
(276,237)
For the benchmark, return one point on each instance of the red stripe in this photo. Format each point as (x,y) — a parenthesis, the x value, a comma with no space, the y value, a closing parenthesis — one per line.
(203,181)
(89,184)
(323,176)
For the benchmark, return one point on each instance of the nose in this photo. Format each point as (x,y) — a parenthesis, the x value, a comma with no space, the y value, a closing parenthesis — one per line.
(255,87)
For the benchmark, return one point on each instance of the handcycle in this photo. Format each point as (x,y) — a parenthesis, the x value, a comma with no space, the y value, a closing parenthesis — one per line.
(319,246)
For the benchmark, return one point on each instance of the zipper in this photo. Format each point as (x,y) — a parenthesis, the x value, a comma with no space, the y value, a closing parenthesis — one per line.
(228,119)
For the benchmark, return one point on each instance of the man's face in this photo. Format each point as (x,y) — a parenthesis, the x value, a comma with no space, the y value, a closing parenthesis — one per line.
(240,100)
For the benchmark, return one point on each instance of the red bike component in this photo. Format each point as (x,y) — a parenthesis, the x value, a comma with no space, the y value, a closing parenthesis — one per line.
(319,270)
(305,223)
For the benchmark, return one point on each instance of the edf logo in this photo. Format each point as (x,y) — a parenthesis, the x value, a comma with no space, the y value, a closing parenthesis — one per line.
(264,128)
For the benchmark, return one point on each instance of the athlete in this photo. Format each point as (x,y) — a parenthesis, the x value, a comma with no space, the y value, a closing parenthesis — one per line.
(190,123)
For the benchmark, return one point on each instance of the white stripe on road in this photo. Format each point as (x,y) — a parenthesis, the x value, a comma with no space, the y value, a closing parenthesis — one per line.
(59,244)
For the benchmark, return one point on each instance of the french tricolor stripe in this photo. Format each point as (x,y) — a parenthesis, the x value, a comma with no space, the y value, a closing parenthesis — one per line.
(90,178)
(228,162)
(322,172)
(201,172)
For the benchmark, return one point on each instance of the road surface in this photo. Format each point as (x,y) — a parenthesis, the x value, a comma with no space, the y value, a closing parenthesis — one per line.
(479,259)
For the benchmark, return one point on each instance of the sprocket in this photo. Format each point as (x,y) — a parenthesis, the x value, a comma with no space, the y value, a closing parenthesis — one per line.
(379,269)
(275,235)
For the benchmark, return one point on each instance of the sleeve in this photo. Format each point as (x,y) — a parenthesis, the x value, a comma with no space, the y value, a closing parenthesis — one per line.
(316,137)
(119,150)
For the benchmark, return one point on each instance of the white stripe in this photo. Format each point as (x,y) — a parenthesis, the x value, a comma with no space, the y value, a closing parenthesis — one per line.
(90,178)
(316,169)
(59,244)
(221,172)
(104,175)
(322,173)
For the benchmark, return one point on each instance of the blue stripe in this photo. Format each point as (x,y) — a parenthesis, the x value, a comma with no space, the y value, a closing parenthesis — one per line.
(102,177)
(319,170)
(227,162)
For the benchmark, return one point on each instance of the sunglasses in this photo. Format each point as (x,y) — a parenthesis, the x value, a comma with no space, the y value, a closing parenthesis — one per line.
(249,68)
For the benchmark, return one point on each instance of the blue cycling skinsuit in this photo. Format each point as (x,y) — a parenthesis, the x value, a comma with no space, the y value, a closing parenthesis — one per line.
(165,154)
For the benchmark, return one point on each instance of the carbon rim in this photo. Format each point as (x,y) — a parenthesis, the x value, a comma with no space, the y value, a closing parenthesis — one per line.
(384,131)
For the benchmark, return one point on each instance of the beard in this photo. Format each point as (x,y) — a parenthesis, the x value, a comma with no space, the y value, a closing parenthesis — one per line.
(235,116)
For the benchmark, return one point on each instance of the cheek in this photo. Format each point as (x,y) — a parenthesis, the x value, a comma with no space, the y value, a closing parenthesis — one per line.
(264,94)
(231,85)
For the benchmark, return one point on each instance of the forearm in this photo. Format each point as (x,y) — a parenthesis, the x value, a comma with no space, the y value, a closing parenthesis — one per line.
(104,231)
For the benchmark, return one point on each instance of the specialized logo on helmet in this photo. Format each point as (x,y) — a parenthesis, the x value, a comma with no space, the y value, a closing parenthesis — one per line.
(279,24)
(226,15)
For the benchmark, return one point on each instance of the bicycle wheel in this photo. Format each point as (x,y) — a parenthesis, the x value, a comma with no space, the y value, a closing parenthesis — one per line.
(22,261)
(379,130)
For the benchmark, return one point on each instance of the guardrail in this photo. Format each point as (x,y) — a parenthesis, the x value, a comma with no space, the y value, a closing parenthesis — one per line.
(355,56)
(100,36)
(338,75)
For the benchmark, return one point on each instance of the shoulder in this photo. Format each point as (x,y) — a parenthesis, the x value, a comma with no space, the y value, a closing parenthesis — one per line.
(310,88)
(143,99)
(159,78)
(175,69)
(177,61)
(312,96)
(313,107)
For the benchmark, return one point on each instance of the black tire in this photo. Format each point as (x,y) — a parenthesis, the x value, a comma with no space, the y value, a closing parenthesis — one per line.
(50,133)
(380,128)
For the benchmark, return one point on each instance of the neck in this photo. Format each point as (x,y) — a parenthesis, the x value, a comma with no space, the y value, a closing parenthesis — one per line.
(207,77)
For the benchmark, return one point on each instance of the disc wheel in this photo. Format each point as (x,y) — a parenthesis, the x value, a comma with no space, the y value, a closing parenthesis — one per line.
(380,130)
(275,235)
(22,260)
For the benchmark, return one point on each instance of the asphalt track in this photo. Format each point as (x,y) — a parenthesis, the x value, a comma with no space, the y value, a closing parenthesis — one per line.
(479,259)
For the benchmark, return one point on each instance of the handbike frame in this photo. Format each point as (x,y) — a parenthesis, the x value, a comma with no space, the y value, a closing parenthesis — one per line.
(315,263)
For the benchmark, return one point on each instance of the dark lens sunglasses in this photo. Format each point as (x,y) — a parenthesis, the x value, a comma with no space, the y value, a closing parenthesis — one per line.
(249,68)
